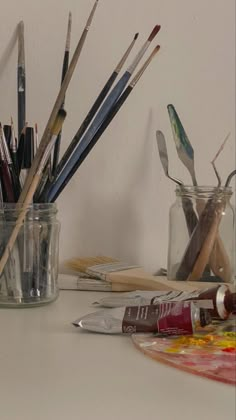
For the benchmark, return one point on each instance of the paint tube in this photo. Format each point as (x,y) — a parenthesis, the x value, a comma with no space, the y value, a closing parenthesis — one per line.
(169,318)
(218,300)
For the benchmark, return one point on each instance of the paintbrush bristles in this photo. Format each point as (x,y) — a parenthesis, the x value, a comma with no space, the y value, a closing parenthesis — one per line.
(21,46)
(68,36)
(89,21)
(145,65)
(126,54)
(57,105)
(155,30)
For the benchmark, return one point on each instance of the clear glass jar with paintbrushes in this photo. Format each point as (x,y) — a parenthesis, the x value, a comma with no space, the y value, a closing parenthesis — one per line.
(30,275)
(201,235)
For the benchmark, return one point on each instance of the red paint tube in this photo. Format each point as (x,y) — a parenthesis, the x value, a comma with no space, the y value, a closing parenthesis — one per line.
(219,300)
(169,318)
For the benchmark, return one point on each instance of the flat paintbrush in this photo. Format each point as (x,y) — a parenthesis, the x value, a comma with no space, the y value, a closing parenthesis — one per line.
(64,70)
(95,107)
(60,183)
(21,78)
(121,273)
(29,196)
(45,140)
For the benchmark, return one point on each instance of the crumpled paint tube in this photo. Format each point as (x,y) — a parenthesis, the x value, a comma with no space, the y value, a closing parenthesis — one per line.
(169,318)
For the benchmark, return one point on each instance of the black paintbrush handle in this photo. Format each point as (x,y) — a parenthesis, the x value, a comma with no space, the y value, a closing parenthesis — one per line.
(8,191)
(94,140)
(190,215)
(7,133)
(197,240)
(21,99)
(86,122)
(56,151)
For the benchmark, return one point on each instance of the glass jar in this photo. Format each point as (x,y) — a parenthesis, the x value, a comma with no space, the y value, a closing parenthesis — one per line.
(30,275)
(201,235)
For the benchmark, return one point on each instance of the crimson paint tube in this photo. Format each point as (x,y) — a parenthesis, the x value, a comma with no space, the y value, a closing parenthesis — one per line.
(169,318)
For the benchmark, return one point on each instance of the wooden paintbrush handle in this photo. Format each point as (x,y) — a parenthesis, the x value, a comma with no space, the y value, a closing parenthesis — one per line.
(141,280)
(219,261)
(203,257)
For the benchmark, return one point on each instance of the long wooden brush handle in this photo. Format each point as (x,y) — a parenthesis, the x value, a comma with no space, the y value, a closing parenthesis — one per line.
(59,100)
(19,223)
(206,249)
(141,280)
(219,261)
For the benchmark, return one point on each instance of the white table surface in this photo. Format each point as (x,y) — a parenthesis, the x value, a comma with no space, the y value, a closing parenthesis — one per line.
(52,370)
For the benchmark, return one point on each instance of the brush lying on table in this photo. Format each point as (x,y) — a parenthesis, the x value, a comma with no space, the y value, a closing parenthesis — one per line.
(120,273)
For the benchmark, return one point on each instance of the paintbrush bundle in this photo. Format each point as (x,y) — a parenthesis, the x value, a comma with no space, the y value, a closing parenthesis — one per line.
(32,171)
(201,230)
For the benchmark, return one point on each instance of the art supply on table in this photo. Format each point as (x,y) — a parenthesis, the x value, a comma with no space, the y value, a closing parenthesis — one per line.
(46,137)
(79,282)
(209,355)
(190,215)
(25,281)
(89,117)
(187,258)
(103,117)
(21,97)
(168,318)
(8,190)
(29,196)
(220,300)
(186,154)
(56,150)
(45,146)
(183,146)
(59,184)
(113,271)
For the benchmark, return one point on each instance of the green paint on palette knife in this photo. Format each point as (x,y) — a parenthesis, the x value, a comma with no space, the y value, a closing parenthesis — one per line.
(181,138)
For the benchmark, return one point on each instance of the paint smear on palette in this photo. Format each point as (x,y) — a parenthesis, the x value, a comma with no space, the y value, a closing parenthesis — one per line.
(211,356)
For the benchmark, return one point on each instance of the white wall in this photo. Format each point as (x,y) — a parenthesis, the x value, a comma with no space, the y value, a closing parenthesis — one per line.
(117,204)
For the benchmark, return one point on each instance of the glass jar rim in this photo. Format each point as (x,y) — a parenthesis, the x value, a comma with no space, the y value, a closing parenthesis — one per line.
(202,189)
(40,207)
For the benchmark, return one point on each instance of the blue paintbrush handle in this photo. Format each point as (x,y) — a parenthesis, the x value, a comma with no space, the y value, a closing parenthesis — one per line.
(84,142)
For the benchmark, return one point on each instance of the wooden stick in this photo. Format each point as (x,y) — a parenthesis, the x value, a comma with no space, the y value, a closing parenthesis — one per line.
(207,246)
(59,100)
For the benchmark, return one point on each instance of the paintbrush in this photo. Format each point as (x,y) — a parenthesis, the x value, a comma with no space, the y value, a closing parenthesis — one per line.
(190,216)
(82,152)
(30,193)
(21,78)
(64,70)
(45,140)
(116,272)
(95,107)
(13,150)
(7,132)
(11,169)
(8,191)
(105,108)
